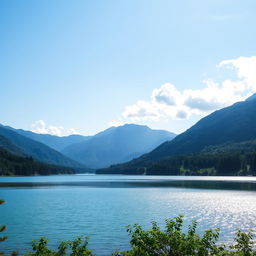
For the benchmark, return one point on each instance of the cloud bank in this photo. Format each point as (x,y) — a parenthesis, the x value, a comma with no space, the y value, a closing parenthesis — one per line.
(41,127)
(169,103)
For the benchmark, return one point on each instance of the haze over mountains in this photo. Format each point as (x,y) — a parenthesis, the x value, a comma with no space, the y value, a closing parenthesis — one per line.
(117,145)
(35,149)
(236,123)
(114,145)
(55,142)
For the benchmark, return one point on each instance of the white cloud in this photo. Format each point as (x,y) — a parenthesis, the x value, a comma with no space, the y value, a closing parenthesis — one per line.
(72,131)
(142,110)
(166,94)
(181,114)
(246,70)
(169,103)
(41,127)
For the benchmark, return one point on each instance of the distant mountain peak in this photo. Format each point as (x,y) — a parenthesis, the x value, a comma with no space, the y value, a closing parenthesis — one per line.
(233,124)
(133,126)
(117,144)
(136,125)
(129,125)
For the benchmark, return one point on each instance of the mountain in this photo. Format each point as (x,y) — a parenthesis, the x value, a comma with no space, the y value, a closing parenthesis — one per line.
(244,146)
(37,150)
(117,144)
(11,164)
(252,97)
(228,159)
(8,146)
(56,142)
(236,123)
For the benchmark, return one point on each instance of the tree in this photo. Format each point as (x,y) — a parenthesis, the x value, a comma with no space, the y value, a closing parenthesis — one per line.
(76,247)
(173,241)
(2,228)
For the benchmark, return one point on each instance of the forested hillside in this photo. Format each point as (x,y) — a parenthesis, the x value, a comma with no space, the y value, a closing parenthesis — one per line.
(35,149)
(233,124)
(226,159)
(11,164)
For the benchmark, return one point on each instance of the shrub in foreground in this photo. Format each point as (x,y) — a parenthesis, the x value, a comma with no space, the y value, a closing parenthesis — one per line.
(76,247)
(171,241)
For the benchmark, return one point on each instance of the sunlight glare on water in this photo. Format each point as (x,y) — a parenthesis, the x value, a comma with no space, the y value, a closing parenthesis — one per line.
(64,207)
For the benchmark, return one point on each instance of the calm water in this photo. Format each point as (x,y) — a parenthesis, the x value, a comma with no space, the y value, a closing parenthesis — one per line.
(64,207)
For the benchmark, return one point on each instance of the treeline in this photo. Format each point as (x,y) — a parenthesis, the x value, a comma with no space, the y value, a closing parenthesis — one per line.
(226,159)
(241,147)
(11,164)
(206,164)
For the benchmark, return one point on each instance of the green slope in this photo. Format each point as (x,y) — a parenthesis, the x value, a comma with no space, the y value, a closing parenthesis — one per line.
(55,142)
(7,145)
(11,164)
(236,123)
(36,149)
(225,159)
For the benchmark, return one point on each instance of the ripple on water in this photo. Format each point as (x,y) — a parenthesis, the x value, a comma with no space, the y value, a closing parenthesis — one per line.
(103,212)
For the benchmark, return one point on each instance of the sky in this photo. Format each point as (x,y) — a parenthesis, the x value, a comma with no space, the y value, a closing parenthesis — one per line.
(82,66)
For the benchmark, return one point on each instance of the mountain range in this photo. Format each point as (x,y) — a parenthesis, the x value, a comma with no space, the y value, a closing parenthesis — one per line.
(14,164)
(21,145)
(236,123)
(114,145)
(56,142)
(230,131)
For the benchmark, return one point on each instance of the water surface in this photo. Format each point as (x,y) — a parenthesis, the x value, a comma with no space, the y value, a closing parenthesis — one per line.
(100,206)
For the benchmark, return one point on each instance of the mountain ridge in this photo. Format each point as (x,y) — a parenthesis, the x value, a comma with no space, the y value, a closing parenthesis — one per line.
(235,123)
(13,164)
(56,142)
(37,150)
(117,144)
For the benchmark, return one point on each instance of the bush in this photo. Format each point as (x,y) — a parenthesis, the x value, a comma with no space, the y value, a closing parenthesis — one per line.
(76,247)
(172,241)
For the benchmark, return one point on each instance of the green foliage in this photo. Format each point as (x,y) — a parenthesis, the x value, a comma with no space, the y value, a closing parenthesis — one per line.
(212,163)
(226,159)
(11,164)
(2,229)
(76,247)
(173,241)
(24,146)
(244,244)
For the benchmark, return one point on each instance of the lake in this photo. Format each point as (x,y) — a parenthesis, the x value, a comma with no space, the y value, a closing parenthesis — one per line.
(101,206)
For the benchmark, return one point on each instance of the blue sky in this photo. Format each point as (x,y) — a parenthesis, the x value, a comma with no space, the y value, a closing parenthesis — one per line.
(87,65)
